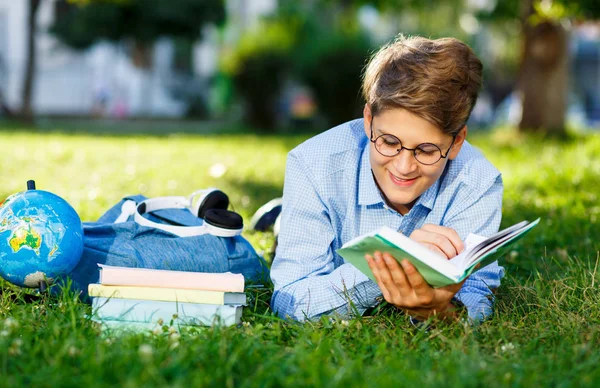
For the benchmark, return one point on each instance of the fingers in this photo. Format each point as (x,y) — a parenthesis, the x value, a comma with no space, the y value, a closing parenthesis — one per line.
(403,286)
(423,291)
(390,277)
(439,239)
(449,233)
(435,249)
(435,241)
(373,262)
(397,273)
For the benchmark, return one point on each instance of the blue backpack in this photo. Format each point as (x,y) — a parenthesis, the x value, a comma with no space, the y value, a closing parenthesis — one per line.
(121,238)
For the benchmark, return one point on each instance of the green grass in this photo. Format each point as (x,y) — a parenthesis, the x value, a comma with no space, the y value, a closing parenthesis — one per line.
(545,330)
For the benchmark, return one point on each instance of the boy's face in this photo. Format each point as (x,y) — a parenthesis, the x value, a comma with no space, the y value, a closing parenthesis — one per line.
(401,178)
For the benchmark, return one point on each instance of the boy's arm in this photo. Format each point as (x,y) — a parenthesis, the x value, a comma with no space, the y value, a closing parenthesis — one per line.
(480,215)
(307,284)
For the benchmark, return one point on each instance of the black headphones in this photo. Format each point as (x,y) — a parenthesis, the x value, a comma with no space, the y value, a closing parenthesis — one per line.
(212,208)
(210,205)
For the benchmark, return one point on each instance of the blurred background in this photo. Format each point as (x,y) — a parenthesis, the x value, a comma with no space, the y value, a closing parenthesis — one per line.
(280,65)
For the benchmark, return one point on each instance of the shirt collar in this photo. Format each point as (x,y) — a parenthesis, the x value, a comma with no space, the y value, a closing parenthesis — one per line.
(369,193)
(427,199)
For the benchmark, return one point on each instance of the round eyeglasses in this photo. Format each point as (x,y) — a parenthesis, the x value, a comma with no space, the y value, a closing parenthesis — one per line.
(425,153)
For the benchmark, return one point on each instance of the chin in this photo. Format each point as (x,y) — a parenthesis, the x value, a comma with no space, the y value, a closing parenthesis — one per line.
(402,201)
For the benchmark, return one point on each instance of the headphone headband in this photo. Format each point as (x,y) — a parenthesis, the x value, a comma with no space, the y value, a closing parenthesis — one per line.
(232,226)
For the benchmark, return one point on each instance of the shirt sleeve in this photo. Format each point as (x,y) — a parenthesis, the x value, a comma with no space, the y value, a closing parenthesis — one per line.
(480,214)
(307,284)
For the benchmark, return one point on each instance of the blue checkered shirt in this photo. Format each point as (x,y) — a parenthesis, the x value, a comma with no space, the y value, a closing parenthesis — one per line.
(330,197)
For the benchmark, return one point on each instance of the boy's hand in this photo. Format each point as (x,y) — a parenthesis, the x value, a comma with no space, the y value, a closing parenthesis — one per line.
(404,287)
(440,239)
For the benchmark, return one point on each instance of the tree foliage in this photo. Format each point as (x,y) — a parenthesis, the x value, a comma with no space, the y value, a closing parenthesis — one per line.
(316,44)
(543,9)
(142,20)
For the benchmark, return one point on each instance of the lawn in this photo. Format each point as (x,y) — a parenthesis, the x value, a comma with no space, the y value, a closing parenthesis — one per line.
(545,330)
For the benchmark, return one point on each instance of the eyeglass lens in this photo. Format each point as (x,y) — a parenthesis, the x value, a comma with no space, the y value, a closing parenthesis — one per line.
(390,145)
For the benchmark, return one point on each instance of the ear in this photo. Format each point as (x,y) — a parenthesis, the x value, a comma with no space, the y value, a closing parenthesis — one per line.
(367,116)
(458,143)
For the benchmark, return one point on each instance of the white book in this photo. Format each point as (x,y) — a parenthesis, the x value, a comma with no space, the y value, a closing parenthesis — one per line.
(150,311)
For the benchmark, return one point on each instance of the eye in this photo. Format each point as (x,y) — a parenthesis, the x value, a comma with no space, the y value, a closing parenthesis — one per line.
(427,149)
(390,140)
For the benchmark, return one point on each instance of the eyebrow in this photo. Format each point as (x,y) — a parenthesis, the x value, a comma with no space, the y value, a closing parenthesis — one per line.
(378,132)
(381,132)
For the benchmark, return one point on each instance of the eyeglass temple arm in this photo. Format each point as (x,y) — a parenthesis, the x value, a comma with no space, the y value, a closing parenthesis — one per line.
(449,148)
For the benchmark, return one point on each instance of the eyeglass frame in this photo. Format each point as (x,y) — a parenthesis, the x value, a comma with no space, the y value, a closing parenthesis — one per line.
(442,156)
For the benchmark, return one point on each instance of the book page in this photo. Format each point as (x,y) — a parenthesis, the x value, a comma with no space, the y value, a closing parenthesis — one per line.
(472,241)
(419,252)
(505,240)
(495,237)
(493,248)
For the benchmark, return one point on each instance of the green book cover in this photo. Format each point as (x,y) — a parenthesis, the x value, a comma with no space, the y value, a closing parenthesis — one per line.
(435,269)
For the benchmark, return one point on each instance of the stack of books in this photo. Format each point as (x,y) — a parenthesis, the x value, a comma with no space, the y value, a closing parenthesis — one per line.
(142,298)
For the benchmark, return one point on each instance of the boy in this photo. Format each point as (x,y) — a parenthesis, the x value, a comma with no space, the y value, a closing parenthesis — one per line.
(406,165)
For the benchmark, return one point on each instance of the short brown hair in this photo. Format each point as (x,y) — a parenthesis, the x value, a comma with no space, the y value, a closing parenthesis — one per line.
(438,80)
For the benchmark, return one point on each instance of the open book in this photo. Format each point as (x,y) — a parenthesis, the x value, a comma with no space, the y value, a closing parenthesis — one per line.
(435,269)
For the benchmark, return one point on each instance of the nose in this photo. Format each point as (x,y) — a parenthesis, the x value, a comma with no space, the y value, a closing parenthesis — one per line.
(405,162)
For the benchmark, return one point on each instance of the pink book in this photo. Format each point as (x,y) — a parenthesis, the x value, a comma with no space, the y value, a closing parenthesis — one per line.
(145,277)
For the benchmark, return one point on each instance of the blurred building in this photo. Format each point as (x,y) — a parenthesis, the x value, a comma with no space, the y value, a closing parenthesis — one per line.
(104,80)
(586,71)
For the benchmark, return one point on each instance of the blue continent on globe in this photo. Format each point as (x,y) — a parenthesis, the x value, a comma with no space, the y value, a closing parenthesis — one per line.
(41,238)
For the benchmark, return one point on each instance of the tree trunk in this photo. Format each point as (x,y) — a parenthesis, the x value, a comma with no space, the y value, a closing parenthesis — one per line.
(543,78)
(142,55)
(5,109)
(26,108)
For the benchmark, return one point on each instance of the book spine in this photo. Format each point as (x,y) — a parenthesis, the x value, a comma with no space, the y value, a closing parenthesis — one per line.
(153,312)
(156,293)
(172,279)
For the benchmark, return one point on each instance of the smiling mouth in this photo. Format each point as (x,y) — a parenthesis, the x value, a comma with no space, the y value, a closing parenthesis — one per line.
(401,181)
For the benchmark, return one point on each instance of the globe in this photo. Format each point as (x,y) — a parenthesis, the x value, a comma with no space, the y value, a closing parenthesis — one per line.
(41,238)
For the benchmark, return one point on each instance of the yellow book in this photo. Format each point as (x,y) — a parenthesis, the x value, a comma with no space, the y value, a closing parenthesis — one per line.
(167,294)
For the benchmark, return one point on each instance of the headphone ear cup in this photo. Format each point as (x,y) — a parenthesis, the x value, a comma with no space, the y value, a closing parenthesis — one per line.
(215,199)
(222,218)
